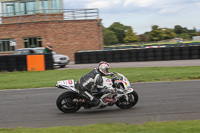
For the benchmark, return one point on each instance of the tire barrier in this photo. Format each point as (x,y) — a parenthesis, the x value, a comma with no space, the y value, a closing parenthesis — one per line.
(20,62)
(48,58)
(143,54)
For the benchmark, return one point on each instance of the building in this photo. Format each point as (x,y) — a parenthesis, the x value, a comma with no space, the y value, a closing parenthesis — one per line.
(196,38)
(27,23)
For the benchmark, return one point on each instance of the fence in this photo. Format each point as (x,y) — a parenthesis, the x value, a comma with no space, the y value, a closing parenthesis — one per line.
(20,62)
(143,54)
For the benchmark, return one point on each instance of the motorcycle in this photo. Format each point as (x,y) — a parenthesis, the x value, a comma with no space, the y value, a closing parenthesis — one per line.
(122,95)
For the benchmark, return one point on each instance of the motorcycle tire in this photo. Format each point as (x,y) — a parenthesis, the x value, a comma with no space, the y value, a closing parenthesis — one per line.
(123,104)
(65,102)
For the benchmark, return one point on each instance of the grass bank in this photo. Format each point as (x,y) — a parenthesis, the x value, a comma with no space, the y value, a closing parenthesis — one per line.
(25,79)
(150,127)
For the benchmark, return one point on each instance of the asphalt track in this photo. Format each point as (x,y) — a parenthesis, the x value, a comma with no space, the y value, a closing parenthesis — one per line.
(160,101)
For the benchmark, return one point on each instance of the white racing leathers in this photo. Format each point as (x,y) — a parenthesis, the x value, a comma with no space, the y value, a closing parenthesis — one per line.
(88,82)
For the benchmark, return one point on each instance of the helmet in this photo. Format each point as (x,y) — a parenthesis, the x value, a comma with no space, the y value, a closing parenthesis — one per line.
(104,67)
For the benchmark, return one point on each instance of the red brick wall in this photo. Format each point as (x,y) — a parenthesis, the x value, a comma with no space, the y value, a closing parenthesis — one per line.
(66,37)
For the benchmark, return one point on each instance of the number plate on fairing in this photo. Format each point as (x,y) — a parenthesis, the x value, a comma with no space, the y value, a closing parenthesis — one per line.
(108,99)
(70,82)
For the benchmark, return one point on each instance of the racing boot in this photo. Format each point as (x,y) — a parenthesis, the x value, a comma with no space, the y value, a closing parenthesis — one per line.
(98,104)
(95,102)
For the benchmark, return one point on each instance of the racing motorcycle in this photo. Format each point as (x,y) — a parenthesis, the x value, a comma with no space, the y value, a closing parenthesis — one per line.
(120,94)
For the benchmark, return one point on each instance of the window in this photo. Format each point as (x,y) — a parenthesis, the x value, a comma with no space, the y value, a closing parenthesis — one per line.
(32,42)
(30,6)
(23,8)
(9,7)
(6,45)
(17,8)
(44,6)
(58,4)
(55,4)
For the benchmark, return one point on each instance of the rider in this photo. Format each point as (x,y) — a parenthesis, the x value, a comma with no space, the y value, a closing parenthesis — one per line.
(93,80)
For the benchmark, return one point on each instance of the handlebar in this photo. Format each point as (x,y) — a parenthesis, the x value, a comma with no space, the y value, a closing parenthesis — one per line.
(112,74)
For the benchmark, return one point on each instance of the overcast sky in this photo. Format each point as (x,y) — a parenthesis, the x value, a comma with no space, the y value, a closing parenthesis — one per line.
(142,14)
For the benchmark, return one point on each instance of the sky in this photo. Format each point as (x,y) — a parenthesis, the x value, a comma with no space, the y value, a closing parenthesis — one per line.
(141,15)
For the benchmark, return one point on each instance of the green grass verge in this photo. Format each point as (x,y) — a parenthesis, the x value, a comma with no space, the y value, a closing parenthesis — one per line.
(48,78)
(169,43)
(150,127)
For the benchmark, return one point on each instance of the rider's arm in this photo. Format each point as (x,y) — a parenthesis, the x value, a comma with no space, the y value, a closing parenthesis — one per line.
(99,82)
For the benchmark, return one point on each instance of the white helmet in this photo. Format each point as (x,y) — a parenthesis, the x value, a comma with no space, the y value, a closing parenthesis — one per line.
(104,67)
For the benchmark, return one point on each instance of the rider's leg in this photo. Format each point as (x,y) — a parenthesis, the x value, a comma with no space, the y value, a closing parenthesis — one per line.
(95,101)
(92,98)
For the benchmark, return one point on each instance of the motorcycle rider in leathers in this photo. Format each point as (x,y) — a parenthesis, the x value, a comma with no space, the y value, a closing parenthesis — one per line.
(93,80)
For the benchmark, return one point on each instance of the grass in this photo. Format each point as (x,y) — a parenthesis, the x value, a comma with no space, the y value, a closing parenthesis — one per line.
(168,43)
(150,127)
(48,78)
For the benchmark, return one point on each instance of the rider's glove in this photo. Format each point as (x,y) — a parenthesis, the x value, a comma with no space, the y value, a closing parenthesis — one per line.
(111,74)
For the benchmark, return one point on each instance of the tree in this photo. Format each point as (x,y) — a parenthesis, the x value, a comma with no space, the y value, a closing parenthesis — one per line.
(198,33)
(156,34)
(109,37)
(184,33)
(185,36)
(144,37)
(178,29)
(119,30)
(131,36)
(192,33)
(168,33)
(185,30)
(119,33)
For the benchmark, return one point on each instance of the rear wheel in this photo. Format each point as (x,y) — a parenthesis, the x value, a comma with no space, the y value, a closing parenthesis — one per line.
(65,102)
(132,101)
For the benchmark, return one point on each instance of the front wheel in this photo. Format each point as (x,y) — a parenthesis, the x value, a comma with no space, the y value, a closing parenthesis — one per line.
(132,101)
(65,102)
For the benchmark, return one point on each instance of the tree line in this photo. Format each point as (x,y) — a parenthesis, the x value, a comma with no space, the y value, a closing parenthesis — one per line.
(118,33)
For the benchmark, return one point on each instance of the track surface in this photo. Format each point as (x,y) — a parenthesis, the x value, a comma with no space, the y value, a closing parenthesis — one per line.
(157,102)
